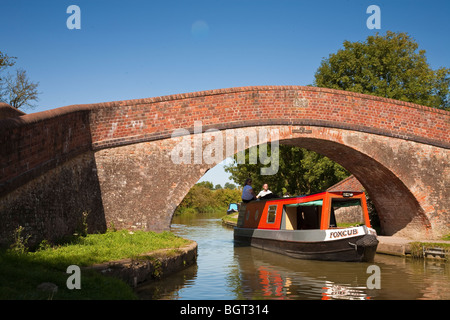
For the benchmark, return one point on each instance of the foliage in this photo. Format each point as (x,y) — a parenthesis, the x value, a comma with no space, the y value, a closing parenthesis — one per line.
(16,89)
(5,61)
(97,248)
(229,186)
(21,273)
(201,198)
(388,66)
(207,184)
(417,248)
(232,218)
(300,172)
(20,244)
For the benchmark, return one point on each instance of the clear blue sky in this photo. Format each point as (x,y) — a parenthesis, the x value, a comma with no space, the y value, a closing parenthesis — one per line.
(137,49)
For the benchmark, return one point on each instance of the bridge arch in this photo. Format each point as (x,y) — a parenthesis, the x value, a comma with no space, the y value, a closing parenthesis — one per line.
(400,212)
(113,159)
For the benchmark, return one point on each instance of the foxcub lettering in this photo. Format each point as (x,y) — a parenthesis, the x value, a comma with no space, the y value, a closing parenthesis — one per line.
(343,233)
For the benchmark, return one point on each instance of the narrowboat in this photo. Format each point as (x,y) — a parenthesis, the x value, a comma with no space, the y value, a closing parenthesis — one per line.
(307,227)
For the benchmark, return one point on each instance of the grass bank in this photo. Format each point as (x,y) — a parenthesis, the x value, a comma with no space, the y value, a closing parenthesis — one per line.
(230,218)
(21,272)
(417,248)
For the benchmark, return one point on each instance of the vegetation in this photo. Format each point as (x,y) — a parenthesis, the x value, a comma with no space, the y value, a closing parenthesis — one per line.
(390,66)
(16,89)
(203,197)
(21,270)
(417,248)
(233,218)
(300,172)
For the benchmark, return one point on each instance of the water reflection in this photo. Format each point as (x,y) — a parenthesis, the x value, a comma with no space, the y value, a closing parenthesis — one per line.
(228,271)
(274,276)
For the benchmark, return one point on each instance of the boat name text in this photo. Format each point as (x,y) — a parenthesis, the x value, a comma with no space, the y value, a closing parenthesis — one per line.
(343,233)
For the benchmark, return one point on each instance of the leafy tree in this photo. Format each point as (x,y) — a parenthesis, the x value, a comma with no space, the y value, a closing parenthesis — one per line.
(229,185)
(198,198)
(223,197)
(300,172)
(207,184)
(390,66)
(202,198)
(17,90)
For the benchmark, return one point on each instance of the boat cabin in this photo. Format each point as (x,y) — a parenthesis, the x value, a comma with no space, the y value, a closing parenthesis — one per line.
(316,211)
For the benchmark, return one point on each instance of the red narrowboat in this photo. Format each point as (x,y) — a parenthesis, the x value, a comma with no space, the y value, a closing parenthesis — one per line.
(305,227)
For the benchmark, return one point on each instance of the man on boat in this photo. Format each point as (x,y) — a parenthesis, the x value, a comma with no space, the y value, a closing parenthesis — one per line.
(265,192)
(247,192)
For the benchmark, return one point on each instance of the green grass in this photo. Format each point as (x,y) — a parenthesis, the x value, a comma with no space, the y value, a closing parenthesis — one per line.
(21,273)
(417,247)
(349,224)
(230,218)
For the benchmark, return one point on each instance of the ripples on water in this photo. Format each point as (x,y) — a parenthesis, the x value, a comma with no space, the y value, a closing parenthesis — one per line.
(227,271)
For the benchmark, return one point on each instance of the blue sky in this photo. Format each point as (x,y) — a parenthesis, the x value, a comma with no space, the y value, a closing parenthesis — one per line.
(138,49)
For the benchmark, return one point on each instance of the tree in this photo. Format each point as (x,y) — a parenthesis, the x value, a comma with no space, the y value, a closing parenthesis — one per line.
(20,91)
(5,61)
(300,172)
(16,90)
(229,185)
(207,184)
(201,198)
(388,66)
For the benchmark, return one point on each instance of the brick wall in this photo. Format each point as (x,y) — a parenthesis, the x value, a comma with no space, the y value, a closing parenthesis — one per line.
(6,111)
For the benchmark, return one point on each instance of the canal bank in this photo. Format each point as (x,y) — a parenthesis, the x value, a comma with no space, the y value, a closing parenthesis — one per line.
(398,246)
(149,266)
(53,271)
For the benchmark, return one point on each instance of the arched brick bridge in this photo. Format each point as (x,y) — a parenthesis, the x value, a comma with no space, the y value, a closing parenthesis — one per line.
(113,160)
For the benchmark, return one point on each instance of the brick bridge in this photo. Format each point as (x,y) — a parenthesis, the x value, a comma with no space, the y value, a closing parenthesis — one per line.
(113,160)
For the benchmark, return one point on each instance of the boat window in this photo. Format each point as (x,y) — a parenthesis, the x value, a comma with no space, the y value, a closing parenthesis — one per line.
(346,213)
(304,215)
(308,217)
(271,213)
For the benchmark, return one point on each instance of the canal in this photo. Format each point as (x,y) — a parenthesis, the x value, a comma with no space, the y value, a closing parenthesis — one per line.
(228,272)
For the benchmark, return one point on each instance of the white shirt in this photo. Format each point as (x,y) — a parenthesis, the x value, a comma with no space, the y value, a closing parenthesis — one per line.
(263,193)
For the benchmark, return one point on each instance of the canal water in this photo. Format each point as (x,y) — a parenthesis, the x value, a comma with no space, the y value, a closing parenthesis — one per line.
(225,271)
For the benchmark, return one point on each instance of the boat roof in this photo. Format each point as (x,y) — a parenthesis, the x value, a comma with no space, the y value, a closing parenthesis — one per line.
(308,197)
